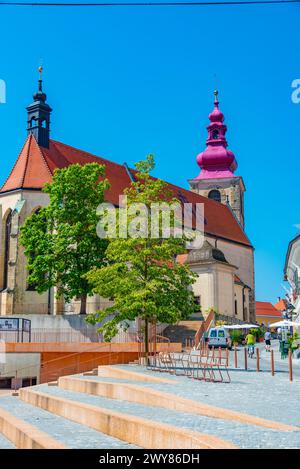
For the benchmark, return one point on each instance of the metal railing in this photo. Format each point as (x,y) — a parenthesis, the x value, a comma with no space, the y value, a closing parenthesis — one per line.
(83,335)
(51,369)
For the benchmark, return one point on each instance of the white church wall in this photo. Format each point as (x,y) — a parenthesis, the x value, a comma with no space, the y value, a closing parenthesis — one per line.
(204,287)
(225,288)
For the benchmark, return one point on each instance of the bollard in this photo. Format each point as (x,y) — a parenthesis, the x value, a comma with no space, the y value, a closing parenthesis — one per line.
(220,354)
(272,363)
(213,353)
(227,356)
(246,359)
(257,359)
(290,366)
(235,357)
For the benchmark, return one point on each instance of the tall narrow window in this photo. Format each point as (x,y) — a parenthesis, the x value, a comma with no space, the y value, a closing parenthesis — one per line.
(235,307)
(215,134)
(32,286)
(6,249)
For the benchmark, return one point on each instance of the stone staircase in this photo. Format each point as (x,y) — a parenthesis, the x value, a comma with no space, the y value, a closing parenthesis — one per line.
(121,407)
(183,331)
(109,408)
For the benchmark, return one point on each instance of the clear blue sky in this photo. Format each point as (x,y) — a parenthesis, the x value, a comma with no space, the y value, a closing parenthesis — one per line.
(126,82)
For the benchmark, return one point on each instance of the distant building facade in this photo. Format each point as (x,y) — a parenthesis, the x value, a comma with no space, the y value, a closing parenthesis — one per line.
(292,275)
(266,313)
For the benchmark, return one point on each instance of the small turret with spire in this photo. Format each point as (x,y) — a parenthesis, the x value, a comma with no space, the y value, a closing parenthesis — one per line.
(38,121)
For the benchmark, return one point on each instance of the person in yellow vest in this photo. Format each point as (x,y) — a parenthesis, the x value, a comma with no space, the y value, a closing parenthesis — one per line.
(250,341)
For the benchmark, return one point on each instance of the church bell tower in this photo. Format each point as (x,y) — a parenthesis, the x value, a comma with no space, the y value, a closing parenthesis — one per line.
(38,121)
(217,180)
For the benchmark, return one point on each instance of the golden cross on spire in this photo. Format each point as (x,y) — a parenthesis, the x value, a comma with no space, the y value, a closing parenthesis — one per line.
(216,93)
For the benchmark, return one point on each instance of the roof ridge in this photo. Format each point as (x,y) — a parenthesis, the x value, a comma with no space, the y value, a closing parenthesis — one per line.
(87,153)
(43,158)
(26,160)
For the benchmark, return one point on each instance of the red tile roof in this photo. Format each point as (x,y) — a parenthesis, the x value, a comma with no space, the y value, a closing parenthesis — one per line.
(281,305)
(264,308)
(35,166)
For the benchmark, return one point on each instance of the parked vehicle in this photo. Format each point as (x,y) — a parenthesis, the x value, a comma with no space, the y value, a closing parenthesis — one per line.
(219,337)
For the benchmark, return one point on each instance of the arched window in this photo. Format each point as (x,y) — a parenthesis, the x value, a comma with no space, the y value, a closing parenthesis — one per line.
(44,123)
(33,122)
(215,195)
(7,234)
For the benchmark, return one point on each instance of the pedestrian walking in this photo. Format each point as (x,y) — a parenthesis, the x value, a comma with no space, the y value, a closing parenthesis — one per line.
(279,337)
(268,341)
(250,341)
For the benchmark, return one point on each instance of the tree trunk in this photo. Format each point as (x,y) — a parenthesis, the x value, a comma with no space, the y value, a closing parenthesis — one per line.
(146,336)
(83,304)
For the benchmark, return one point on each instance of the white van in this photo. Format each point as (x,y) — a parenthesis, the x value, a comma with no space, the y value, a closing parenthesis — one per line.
(219,337)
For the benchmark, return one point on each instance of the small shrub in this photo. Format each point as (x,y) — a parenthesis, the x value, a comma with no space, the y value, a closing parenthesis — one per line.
(237,336)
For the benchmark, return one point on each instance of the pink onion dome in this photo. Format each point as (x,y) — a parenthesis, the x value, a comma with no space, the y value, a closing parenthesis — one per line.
(216,161)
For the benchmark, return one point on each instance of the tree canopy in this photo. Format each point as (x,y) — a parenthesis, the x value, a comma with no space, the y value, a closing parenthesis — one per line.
(142,275)
(60,240)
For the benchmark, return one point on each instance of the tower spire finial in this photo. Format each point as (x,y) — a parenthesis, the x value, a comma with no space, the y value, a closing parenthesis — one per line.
(40,69)
(216,101)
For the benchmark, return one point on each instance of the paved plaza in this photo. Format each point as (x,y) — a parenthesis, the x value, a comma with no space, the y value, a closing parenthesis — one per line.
(258,394)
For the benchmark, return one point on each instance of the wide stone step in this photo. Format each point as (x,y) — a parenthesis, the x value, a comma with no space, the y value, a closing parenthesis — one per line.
(136,392)
(5,444)
(120,419)
(30,427)
(120,373)
(20,432)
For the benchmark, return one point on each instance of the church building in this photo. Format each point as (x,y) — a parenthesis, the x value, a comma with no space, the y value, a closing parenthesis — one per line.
(224,264)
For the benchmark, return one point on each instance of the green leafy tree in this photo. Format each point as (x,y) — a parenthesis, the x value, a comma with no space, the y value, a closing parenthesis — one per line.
(143,276)
(60,240)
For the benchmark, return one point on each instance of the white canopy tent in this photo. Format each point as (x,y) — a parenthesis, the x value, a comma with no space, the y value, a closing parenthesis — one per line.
(240,326)
(285,323)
